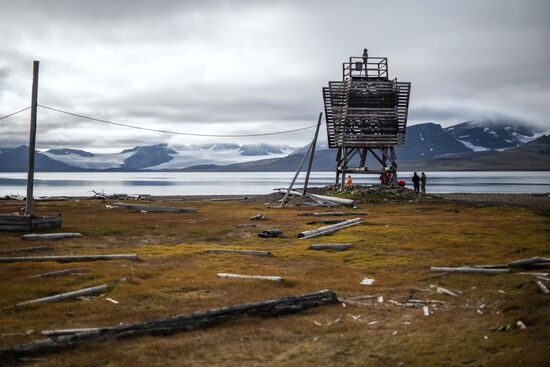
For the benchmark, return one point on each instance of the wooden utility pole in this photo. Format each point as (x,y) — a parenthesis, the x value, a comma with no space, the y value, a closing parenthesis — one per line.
(32,139)
(312,153)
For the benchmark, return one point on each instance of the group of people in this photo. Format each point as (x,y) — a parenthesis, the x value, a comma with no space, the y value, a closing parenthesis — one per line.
(419,182)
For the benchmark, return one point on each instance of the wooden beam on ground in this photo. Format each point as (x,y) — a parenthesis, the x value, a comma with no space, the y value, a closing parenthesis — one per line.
(155,208)
(330,214)
(58,273)
(327,221)
(273,278)
(332,199)
(333,246)
(63,296)
(241,252)
(524,263)
(172,325)
(542,287)
(48,236)
(329,229)
(26,249)
(80,258)
(468,270)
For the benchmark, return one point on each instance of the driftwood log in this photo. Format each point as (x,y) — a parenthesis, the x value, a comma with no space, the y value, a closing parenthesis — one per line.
(58,273)
(466,269)
(332,246)
(80,258)
(330,214)
(542,287)
(332,199)
(156,209)
(329,229)
(326,221)
(49,236)
(174,324)
(63,296)
(241,252)
(273,278)
(26,249)
(526,263)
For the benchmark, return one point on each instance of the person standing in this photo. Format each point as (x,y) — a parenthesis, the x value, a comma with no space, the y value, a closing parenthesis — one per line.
(423,182)
(416,182)
(349,182)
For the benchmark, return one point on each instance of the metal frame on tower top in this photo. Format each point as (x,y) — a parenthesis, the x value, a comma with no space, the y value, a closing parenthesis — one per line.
(366,112)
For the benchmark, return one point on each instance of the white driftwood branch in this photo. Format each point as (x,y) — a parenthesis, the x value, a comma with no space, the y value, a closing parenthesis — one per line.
(332,199)
(542,287)
(260,277)
(466,269)
(329,229)
(330,214)
(49,236)
(63,296)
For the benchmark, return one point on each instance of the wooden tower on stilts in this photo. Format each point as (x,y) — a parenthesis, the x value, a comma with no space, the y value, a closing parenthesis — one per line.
(366,112)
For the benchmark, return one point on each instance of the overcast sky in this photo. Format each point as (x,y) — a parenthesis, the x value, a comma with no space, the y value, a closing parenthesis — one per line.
(258,66)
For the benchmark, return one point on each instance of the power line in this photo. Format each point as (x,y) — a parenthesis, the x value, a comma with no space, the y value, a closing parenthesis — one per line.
(14,113)
(174,132)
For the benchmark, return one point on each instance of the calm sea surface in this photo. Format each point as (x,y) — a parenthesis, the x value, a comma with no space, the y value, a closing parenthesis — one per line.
(239,183)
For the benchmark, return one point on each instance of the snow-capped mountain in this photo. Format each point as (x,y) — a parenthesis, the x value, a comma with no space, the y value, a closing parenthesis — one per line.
(163,157)
(424,142)
(493,134)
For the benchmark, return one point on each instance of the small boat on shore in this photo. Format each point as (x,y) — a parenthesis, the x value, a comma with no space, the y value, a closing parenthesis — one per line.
(30,222)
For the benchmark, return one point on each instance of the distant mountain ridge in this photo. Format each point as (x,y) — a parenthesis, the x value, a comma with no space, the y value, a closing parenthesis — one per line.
(427,144)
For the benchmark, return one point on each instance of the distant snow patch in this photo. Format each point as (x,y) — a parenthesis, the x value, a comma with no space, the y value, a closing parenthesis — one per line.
(472,147)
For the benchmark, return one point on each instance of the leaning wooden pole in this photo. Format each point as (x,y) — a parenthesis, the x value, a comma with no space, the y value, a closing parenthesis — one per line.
(312,154)
(296,175)
(32,139)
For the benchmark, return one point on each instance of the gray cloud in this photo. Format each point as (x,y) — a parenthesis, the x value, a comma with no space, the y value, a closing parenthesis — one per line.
(241,66)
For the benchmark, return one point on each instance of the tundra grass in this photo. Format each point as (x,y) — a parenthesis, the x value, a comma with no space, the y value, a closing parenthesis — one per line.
(395,246)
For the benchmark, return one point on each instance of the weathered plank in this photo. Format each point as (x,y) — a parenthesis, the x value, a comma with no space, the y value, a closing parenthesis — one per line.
(466,269)
(329,229)
(156,209)
(49,236)
(26,249)
(69,258)
(273,278)
(174,324)
(330,214)
(242,252)
(333,246)
(68,295)
(58,273)
(525,263)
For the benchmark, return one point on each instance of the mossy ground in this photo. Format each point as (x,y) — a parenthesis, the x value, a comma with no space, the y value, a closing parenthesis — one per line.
(396,246)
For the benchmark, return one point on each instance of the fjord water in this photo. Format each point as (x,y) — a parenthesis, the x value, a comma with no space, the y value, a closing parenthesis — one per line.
(241,183)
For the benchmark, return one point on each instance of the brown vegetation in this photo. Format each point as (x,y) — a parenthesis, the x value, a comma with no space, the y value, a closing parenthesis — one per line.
(396,246)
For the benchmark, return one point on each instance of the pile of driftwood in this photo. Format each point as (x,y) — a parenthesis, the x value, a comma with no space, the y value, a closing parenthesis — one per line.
(317,200)
(170,325)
